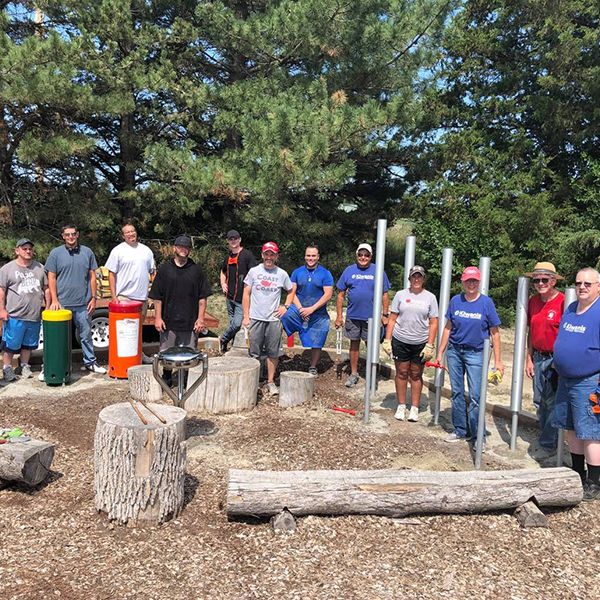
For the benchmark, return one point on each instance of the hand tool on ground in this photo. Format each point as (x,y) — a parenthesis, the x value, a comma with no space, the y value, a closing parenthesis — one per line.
(338,352)
(344,410)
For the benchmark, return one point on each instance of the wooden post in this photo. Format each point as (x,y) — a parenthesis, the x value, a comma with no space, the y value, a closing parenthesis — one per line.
(231,386)
(142,385)
(295,387)
(139,470)
(26,462)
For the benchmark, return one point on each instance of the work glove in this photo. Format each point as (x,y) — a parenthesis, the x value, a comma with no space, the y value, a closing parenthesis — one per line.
(427,353)
(495,377)
(386,346)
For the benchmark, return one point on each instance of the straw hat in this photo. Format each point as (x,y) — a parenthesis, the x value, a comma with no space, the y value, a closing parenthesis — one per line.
(544,268)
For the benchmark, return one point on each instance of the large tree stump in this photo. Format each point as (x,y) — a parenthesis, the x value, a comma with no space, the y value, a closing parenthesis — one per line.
(396,493)
(26,462)
(231,386)
(295,387)
(139,470)
(143,385)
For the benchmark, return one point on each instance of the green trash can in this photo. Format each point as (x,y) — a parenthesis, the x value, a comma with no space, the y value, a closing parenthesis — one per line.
(57,346)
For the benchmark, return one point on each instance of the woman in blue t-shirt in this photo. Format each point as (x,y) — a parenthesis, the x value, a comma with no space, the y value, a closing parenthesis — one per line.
(471,319)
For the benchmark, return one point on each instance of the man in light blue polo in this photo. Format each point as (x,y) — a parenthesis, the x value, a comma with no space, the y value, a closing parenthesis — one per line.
(71,272)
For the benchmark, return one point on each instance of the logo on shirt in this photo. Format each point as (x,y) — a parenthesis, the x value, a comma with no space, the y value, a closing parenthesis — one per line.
(28,283)
(551,315)
(407,301)
(463,314)
(265,283)
(574,328)
(359,276)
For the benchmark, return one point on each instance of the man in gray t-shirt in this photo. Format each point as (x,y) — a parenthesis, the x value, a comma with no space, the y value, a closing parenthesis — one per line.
(262,310)
(23,295)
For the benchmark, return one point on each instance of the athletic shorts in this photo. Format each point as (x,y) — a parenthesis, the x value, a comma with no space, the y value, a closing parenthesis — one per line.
(265,338)
(573,409)
(313,333)
(355,329)
(169,338)
(403,352)
(20,335)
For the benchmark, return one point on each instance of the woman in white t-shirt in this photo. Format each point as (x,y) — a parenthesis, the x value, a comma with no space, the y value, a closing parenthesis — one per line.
(409,339)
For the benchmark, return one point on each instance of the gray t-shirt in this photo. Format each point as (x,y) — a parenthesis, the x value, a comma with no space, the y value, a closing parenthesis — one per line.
(72,269)
(266,286)
(414,312)
(24,289)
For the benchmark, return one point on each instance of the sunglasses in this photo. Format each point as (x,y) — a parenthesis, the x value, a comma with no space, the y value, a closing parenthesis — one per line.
(363,254)
(543,280)
(586,284)
(70,234)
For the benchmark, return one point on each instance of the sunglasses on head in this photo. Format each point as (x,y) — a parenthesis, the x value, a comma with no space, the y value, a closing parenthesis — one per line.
(543,280)
(587,284)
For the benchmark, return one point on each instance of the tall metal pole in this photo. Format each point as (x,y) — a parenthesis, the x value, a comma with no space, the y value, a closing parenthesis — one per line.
(484,268)
(570,297)
(445,283)
(368,373)
(409,257)
(516,390)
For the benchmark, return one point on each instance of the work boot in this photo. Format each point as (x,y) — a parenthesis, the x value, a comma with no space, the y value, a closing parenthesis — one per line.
(591,490)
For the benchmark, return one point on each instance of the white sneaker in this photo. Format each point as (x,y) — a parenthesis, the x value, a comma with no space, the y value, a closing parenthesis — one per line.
(94,368)
(26,371)
(413,415)
(452,437)
(272,389)
(41,375)
(400,412)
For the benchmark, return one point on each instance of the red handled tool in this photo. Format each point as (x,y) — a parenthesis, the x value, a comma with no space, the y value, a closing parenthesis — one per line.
(435,365)
(344,410)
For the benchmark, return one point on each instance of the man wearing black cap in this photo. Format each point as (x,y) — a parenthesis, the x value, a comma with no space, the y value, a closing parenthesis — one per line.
(235,268)
(23,295)
(179,291)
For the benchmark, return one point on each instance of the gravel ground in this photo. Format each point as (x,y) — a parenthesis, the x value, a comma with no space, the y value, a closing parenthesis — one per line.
(54,544)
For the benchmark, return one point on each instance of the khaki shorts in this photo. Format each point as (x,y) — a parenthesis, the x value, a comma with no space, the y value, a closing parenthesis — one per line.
(168,339)
(144,304)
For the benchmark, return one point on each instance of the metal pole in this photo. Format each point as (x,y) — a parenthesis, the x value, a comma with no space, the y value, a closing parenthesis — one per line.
(570,297)
(409,257)
(368,373)
(443,307)
(484,267)
(516,391)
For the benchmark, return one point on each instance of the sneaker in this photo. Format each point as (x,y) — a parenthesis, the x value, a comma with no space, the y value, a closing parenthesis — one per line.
(26,371)
(272,389)
(41,376)
(413,415)
(400,412)
(313,371)
(453,437)
(9,374)
(352,380)
(94,368)
(473,444)
(591,490)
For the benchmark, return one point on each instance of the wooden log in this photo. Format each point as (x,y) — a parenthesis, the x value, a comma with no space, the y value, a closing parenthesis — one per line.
(142,385)
(139,470)
(231,386)
(396,493)
(529,515)
(295,387)
(26,462)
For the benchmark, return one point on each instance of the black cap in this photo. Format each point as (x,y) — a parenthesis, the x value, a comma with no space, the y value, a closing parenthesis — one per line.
(232,233)
(22,242)
(183,240)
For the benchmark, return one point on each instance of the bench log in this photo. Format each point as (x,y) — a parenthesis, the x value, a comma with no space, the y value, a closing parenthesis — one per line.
(26,462)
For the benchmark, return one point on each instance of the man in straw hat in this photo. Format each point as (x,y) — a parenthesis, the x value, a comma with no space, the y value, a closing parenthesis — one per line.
(544,312)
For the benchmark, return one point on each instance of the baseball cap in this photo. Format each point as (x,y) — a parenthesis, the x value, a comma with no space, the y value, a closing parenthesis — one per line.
(232,233)
(22,242)
(183,240)
(416,269)
(270,247)
(366,247)
(471,273)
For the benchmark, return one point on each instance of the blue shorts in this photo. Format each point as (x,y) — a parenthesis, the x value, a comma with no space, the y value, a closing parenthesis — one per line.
(573,409)
(20,335)
(313,334)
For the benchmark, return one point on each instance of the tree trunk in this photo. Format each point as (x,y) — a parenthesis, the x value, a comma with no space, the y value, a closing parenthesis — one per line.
(139,469)
(231,386)
(142,385)
(27,462)
(396,493)
(295,387)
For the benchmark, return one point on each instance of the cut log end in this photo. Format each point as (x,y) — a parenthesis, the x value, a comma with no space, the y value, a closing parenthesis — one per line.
(295,388)
(529,515)
(26,462)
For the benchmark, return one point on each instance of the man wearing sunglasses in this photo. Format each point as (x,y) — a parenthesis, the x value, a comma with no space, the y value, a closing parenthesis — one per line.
(544,312)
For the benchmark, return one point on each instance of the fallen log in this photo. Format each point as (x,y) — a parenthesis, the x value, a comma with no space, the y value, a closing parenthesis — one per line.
(26,462)
(395,493)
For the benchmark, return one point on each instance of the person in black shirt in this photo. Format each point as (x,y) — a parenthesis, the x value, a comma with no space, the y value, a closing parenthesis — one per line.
(235,268)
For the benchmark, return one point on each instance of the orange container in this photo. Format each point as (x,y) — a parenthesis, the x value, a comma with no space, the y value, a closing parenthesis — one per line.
(124,337)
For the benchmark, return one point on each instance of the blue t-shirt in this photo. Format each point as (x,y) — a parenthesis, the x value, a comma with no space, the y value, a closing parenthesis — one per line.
(310,284)
(471,321)
(72,270)
(359,285)
(577,346)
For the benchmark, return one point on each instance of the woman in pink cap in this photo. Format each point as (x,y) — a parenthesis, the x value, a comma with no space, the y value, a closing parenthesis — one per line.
(471,319)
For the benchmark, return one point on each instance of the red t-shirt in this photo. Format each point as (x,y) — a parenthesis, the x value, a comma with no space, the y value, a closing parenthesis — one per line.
(543,319)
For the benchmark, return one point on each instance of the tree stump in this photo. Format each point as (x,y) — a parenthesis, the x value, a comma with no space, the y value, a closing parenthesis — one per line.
(139,470)
(231,386)
(26,462)
(295,387)
(142,385)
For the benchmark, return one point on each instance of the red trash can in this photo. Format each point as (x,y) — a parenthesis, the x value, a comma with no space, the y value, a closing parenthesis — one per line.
(124,337)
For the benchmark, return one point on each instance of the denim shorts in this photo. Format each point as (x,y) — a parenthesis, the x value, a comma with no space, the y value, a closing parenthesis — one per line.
(403,352)
(18,334)
(573,409)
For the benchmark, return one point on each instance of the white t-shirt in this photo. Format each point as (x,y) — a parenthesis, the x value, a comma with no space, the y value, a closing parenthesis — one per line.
(414,312)
(266,288)
(132,266)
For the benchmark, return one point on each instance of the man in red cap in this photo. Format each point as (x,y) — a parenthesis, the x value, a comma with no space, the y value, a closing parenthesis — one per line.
(262,308)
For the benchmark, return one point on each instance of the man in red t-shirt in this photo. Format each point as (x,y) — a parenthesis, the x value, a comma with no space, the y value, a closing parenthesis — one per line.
(544,312)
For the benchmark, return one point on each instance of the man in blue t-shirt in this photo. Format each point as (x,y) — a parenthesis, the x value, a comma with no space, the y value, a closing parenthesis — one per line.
(312,285)
(358,284)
